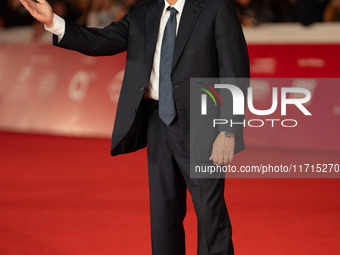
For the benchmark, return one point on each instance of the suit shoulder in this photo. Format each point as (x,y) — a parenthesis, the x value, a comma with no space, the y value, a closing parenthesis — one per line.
(211,3)
(144,4)
(216,2)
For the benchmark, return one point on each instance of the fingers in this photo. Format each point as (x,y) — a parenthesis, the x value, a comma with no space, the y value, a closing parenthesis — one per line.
(31,4)
(221,159)
(27,4)
(24,3)
(227,158)
(231,156)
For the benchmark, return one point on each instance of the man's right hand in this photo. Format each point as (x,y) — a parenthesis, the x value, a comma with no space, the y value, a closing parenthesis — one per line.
(41,10)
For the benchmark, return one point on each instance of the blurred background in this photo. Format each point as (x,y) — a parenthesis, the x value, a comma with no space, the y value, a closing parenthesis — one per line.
(62,194)
(99,13)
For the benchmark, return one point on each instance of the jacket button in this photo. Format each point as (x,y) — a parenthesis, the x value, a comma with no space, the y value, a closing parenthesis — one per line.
(133,110)
(142,88)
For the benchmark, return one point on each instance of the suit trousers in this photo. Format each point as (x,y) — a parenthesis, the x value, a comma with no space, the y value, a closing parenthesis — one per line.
(169,179)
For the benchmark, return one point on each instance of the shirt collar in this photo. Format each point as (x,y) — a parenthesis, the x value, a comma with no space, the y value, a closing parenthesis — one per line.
(178,5)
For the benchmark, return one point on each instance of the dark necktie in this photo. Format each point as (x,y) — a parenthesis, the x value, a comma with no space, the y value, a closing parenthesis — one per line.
(167,111)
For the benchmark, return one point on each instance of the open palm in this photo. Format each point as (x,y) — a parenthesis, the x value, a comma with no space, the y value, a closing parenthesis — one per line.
(41,10)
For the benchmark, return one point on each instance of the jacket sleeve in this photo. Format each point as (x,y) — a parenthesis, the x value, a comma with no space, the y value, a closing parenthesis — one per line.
(94,41)
(233,62)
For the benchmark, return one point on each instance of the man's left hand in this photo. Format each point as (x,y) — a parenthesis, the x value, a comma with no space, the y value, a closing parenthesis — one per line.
(223,150)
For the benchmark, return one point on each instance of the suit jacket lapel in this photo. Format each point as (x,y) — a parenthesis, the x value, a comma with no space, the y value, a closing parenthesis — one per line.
(152,20)
(191,11)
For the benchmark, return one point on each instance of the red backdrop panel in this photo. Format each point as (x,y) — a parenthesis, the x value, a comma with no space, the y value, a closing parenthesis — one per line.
(49,90)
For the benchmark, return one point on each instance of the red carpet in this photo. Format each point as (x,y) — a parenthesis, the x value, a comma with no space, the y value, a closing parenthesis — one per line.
(68,196)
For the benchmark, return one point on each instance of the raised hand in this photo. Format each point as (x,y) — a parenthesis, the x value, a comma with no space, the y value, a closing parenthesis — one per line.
(41,10)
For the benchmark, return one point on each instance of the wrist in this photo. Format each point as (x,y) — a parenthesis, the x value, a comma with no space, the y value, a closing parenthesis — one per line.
(227,134)
(50,23)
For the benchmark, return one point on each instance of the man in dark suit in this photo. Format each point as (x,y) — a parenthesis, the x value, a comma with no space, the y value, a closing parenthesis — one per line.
(167,43)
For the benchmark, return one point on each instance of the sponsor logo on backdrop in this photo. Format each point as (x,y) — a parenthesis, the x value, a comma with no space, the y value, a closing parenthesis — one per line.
(263,65)
(336,109)
(47,85)
(79,85)
(311,62)
(115,86)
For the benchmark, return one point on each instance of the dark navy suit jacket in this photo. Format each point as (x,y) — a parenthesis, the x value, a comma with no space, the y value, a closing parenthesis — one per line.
(209,43)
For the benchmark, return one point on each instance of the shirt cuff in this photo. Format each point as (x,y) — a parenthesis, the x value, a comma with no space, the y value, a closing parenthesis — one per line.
(59,27)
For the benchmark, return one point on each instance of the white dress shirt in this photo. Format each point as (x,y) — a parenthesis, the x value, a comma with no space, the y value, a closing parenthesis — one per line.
(59,27)
(153,86)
